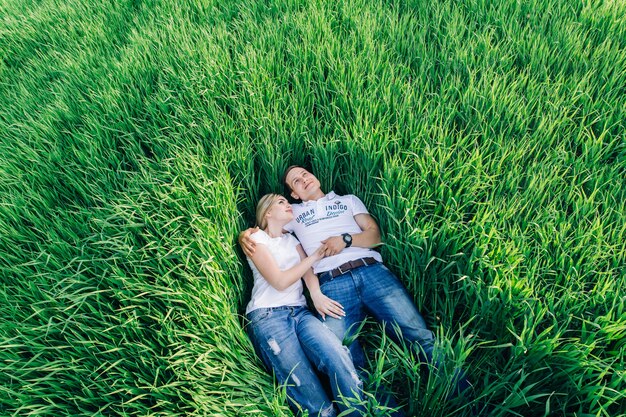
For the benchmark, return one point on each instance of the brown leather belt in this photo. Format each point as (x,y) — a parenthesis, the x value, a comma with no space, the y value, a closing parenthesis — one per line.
(343,268)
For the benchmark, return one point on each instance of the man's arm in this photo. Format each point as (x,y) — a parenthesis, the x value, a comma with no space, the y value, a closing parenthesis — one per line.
(370,235)
(368,238)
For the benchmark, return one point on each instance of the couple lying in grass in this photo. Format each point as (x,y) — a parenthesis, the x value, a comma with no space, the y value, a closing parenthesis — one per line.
(346,280)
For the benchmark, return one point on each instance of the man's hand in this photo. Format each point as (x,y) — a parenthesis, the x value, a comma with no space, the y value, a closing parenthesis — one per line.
(334,245)
(327,306)
(247,244)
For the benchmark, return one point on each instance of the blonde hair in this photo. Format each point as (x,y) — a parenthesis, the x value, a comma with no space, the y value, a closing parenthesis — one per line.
(263,207)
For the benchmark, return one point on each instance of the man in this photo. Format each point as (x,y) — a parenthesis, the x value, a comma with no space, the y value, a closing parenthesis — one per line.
(352,273)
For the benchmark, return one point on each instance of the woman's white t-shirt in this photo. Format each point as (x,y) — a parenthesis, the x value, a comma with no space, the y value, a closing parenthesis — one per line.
(284,251)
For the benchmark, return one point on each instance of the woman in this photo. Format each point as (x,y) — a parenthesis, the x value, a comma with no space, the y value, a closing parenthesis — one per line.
(286,335)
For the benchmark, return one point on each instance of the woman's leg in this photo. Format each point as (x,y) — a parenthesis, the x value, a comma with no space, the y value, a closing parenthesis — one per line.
(330,357)
(273,333)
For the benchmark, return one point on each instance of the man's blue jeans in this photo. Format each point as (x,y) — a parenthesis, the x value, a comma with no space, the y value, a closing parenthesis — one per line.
(293,343)
(375,291)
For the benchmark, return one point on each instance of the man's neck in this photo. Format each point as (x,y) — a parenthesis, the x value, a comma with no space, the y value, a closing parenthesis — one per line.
(315,197)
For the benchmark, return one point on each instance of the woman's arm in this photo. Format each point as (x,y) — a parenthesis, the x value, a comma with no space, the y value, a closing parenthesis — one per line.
(323,304)
(281,280)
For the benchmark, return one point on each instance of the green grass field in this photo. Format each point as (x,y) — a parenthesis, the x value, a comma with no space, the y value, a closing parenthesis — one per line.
(486,137)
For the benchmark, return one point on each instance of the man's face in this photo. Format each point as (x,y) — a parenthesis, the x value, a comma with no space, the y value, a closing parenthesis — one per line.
(302,183)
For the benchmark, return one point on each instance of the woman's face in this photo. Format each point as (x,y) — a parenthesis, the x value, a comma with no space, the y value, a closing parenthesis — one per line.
(280,211)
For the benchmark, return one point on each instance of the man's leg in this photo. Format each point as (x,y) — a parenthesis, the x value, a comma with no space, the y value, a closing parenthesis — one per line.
(273,334)
(343,290)
(387,300)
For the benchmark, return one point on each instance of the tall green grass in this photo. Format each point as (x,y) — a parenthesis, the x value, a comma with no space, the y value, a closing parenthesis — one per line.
(486,137)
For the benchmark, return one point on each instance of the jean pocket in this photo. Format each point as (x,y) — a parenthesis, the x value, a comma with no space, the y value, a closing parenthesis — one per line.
(325,283)
(256,316)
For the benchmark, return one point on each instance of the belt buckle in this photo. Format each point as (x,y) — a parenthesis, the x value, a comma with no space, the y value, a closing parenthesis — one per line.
(341,272)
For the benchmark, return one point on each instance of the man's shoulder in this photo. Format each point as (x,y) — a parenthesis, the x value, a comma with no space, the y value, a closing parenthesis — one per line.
(349,199)
(343,196)
(332,196)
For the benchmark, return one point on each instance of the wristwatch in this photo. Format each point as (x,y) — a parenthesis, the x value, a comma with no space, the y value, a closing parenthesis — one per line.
(347,239)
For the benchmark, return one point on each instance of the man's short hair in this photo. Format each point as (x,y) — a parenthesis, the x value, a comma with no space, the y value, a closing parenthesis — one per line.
(284,178)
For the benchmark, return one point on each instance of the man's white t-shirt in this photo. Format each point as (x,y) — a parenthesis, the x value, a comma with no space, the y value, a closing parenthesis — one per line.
(331,215)
(284,251)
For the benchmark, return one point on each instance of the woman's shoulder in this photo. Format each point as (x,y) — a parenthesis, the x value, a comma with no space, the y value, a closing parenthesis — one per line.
(262,237)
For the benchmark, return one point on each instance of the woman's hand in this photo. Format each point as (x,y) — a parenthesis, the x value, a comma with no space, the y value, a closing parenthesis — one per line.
(247,244)
(327,306)
(320,252)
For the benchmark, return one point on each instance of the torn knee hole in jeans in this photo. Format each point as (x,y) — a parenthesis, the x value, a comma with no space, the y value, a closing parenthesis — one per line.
(327,411)
(274,346)
(356,379)
(296,380)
